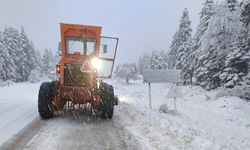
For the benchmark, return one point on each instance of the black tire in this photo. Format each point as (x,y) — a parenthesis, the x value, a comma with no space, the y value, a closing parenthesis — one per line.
(107,96)
(54,87)
(45,106)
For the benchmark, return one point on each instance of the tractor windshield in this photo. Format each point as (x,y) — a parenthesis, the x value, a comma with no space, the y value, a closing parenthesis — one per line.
(81,45)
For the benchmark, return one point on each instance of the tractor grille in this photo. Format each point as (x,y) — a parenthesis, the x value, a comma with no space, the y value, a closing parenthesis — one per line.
(74,77)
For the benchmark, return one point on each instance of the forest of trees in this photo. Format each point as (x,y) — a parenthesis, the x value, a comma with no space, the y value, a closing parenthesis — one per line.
(19,61)
(217,54)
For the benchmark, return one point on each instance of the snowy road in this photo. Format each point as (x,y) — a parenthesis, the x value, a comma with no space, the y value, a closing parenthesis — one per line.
(203,121)
(64,133)
(18,111)
(17,108)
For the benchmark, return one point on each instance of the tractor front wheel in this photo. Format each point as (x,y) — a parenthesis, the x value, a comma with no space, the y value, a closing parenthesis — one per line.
(45,106)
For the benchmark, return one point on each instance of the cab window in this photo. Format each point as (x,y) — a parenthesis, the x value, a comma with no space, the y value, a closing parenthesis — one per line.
(84,46)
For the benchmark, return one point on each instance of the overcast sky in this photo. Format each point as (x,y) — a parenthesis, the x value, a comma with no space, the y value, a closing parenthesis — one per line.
(141,25)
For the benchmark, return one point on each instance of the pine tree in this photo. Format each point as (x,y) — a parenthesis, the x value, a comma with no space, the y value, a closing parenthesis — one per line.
(146,61)
(2,75)
(29,51)
(245,11)
(47,62)
(17,55)
(10,55)
(4,56)
(185,34)
(140,65)
(233,5)
(181,44)
(156,61)
(223,29)
(198,47)
(165,62)
(38,59)
(237,61)
(173,50)
(37,73)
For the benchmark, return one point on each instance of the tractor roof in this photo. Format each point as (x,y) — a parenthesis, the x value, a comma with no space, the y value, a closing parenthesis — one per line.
(66,25)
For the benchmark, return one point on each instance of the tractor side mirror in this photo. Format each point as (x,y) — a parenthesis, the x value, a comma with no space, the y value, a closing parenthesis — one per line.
(105,48)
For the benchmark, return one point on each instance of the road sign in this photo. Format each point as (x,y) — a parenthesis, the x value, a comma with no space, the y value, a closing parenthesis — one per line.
(161,76)
(174,92)
(86,67)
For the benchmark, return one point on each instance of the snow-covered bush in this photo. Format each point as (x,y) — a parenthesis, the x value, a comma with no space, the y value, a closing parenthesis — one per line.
(245,93)
(5,83)
(126,72)
(236,91)
(163,108)
(242,91)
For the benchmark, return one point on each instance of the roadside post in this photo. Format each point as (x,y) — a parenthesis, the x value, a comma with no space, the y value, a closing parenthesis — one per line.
(149,91)
(160,76)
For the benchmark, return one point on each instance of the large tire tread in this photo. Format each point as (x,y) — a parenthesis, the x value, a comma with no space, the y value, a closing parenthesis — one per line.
(45,106)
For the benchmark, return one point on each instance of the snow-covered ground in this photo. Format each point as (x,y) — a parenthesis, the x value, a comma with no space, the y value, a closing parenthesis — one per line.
(203,119)
(18,107)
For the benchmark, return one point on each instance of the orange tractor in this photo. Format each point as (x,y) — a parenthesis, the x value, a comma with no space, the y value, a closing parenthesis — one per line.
(86,58)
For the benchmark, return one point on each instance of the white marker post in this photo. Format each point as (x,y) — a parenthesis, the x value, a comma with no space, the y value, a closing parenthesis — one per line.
(175,110)
(149,91)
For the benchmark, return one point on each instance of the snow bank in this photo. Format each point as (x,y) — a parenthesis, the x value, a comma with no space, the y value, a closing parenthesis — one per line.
(203,121)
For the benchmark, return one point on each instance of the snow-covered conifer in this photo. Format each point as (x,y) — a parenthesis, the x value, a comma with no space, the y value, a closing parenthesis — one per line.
(47,62)
(10,55)
(156,61)
(146,61)
(29,50)
(185,33)
(233,5)
(237,61)
(181,45)
(140,65)
(197,51)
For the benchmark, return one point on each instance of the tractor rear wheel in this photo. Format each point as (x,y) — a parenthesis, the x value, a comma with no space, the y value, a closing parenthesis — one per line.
(45,106)
(107,96)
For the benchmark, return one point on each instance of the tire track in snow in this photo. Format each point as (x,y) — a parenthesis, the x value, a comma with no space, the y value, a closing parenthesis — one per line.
(67,133)
(12,127)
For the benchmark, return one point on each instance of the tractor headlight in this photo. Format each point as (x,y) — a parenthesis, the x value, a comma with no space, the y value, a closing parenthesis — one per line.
(96,63)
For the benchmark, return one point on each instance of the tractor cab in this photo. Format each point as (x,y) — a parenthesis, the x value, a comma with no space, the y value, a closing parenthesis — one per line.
(83,48)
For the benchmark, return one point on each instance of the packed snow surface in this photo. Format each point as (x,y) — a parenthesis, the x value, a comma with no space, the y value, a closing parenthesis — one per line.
(18,107)
(204,120)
